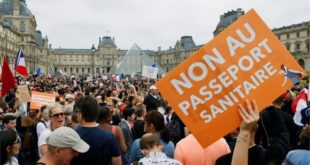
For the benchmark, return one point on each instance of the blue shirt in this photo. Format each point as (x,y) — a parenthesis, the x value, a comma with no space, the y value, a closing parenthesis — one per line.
(136,155)
(297,157)
(102,146)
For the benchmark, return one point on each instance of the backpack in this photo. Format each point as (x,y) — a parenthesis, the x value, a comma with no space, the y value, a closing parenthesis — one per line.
(34,149)
(176,128)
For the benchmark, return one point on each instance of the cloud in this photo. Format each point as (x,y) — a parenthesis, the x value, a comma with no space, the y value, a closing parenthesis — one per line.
(79,23)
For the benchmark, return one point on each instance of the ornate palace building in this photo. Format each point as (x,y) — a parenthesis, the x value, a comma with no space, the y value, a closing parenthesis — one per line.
(19,30)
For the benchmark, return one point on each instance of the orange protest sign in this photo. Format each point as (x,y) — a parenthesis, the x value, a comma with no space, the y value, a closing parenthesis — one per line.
(39,99)
(246,61)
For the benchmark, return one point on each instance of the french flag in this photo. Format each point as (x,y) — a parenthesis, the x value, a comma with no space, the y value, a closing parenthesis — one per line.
(298,105)
(20,63)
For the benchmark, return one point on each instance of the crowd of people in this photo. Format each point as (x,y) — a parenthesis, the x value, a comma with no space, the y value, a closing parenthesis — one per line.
(127,121)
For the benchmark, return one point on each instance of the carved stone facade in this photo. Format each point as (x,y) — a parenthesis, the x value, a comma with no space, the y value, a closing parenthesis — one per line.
(94,61)
(296,39)
(19,30)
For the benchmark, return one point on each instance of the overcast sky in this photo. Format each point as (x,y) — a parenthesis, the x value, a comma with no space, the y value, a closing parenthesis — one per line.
(149,23)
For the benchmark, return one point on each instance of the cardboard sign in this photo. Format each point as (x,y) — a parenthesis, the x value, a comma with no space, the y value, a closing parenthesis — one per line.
(149,72)
(246,61)
(39,99)
(24,93)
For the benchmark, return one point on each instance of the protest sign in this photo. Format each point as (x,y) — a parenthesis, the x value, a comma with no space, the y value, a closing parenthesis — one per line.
(246,61)
(149,72)
(39,99)
(24,93)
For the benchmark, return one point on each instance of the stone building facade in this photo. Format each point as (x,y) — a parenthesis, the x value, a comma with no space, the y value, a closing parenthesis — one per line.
(94,61)
(296,39)
(19,29)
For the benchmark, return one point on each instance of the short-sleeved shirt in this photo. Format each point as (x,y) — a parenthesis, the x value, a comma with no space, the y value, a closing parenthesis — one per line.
(158,158)
(189,151)
(102,146)
(42,139)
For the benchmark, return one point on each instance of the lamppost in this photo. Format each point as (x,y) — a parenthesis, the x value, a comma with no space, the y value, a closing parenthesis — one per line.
(6,26)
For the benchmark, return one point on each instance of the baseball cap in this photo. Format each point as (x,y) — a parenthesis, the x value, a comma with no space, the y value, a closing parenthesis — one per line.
(65,137)
(153,87)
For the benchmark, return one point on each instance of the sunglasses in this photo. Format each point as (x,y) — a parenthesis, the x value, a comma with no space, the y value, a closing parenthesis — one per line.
(58,115)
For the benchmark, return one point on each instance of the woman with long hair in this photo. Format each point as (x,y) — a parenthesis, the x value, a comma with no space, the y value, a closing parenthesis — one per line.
(10,146)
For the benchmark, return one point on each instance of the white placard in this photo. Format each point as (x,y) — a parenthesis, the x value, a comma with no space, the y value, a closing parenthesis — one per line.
(149,72)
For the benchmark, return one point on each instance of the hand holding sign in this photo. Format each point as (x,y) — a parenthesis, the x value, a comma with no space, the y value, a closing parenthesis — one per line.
(241,63)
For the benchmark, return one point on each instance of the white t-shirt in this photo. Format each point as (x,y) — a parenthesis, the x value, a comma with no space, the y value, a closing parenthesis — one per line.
(13,161)
(41,127)
(42,139)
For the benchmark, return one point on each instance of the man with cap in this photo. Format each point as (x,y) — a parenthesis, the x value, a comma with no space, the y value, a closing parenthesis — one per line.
(151,101)
(63,144)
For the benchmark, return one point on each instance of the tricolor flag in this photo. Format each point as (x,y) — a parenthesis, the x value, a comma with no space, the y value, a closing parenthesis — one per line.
(298,105)
(20,63)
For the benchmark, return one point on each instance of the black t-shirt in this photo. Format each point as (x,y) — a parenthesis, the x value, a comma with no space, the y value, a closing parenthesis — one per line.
(256,157)
(102,146)
(138,129)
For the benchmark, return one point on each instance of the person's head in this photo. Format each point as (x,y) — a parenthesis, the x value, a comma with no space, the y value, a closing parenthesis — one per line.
(87,108)
(56,116)
(44,116)
(9,121)
(140,111)
(278,103)
(105,115)
(1,114)
(153,90)
(283,67)
(154,122)
(10,145)
(150,143)
(168,110)
(129,114)
(70,98)
(64,143)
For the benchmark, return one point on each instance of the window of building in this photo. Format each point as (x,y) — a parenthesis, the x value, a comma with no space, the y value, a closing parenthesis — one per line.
(82,70)
(71,70)
(308,46)
(88,70)
(77,70)
(22,26)
(297,46)
(297,34)
(97,70)
(65,69)
(288,36)
(102,70)
(288,46)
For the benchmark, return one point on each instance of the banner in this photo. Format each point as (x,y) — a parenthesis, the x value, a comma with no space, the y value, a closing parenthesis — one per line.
(24,93)
(39,99)
(246,61)
(149,72)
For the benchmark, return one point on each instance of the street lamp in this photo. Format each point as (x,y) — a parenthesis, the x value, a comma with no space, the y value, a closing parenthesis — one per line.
(6,26)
